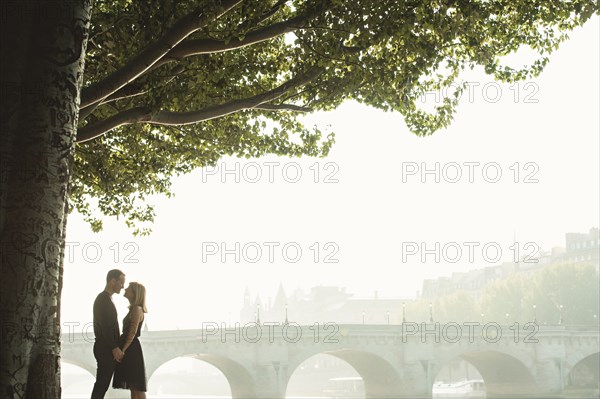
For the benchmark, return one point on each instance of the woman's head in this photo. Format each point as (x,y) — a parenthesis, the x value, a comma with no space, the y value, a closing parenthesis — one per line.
(136,293)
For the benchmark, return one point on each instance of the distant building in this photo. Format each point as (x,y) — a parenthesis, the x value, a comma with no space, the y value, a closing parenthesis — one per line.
(321,305)
(580,249)
(333,304)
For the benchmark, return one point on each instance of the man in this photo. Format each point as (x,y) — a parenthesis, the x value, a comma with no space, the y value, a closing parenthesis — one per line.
(106,330)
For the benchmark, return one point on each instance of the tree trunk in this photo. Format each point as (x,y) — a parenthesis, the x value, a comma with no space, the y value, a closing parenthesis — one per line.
(42,51)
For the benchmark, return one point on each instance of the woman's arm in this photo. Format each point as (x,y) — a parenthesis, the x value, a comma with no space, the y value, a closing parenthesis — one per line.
(136,318)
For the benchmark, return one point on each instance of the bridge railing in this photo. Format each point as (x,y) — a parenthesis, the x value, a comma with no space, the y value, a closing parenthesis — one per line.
(333,332)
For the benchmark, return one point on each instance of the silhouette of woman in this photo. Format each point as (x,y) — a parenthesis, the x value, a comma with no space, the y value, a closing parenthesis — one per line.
(130,373)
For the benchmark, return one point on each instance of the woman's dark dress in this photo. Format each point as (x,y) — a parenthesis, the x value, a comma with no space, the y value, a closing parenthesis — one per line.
(131,372)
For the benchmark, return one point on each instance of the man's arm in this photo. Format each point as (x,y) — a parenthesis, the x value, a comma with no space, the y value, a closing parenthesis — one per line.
(106,322)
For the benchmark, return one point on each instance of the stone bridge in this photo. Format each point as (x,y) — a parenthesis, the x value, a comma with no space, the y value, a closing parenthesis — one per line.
(394,361)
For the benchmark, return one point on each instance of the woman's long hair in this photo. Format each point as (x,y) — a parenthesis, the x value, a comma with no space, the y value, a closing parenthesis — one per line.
(139,295)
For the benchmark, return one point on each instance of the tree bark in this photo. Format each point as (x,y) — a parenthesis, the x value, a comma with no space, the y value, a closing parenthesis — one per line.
(43,45)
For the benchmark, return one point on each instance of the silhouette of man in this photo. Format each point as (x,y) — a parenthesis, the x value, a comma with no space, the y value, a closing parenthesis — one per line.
(106,330)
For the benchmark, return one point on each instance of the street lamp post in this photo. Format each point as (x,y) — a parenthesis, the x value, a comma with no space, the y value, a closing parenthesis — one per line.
(535,313)
(403,312)
(286,315)
(388,317)
(430,312)
(257,314)
(276,366)
(560,319)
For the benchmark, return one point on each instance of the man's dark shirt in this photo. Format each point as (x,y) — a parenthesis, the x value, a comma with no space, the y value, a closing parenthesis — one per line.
(106,325)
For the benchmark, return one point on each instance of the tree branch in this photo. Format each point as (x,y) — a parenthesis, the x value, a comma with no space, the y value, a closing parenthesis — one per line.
(124,92)
(207,46)
(283,107)
(144,114)
(85,112)
(151,54)
(93,130)
(184,118)
(131,90)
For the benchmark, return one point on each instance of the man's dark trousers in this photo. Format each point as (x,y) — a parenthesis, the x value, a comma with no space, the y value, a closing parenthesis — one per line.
(105,370)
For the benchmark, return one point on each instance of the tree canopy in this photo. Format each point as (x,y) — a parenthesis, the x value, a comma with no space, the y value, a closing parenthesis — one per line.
(173,85)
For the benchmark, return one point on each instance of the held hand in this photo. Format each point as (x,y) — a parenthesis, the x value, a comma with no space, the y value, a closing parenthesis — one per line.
(118,354)
(121,354)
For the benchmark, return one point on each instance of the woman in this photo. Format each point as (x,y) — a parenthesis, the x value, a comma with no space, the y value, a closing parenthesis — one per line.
(130,373)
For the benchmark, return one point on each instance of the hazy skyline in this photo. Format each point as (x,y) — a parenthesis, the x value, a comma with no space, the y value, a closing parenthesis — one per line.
(547,129)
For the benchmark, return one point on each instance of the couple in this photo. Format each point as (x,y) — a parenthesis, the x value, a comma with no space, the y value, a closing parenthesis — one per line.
(121,355)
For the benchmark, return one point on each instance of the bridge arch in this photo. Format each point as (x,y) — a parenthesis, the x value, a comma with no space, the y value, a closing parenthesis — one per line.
(320,375)
(585,375)
(381,379)
(76,378)
(82,365)
(240,380)
(576,357)
(504,374)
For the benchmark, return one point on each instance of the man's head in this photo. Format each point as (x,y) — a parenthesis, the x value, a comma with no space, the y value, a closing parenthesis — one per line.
(115,280)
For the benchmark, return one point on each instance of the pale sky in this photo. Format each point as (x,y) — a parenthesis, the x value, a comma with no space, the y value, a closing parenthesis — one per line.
(549,126)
